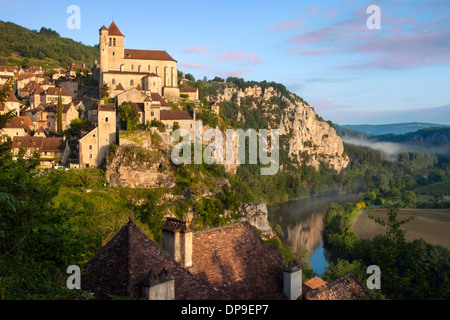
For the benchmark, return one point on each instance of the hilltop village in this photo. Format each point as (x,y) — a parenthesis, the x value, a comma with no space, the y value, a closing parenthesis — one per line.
(73,124)
(146,78)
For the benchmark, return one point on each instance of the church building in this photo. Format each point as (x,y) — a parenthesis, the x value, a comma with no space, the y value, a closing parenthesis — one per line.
(154,71)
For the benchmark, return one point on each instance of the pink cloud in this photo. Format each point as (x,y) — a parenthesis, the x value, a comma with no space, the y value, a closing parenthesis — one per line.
(199,49)
(236,73)
(313,10)
(240,57)
(195,66)
(289,24)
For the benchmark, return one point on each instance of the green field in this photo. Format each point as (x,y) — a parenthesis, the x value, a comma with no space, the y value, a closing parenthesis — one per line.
(438,187)
(432,225)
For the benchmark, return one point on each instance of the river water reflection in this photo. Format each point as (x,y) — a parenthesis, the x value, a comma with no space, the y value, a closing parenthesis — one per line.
(301,223)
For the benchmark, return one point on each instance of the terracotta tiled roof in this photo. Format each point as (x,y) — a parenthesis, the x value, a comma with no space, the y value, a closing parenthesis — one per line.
(7,69)
(344,288)
(148,55)
(19,123)
(57,91)
(106,107)
(139,87)
(113,30)
(175,115)
(43,144)
(236,261)
(162,102)
(188,89)
(313,283)
(103,28)
(40,131)
(119,87)
(124,262)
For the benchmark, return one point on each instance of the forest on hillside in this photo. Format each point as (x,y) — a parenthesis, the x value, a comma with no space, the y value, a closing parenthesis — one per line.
(20,46)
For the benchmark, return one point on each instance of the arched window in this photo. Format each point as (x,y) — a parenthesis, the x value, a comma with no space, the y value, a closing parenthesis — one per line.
(139,68)
(110,42)
(132,67)
(131,82)
(122,67)
(148,67)
(114,42)
(113,81)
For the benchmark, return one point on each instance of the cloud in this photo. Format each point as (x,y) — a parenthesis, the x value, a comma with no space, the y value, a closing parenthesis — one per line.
(195,66)
(402,43)
(199,49)
(240,57)
(288,24)
(236,73)
(313,10)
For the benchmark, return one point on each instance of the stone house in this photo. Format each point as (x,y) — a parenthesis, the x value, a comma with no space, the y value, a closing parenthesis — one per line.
(53,151)
(178,119)
(192,93)
(17,127)
(11,103)
(45,115)
(52,93)
(94,146)
(230,262)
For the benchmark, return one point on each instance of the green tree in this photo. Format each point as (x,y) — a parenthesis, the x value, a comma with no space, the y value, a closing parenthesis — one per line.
(409,198)
(128,115)
(59,125)
(104,91)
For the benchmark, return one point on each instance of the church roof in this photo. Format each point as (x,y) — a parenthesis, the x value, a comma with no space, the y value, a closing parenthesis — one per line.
(113,30)
(119,87)
(148,55)
(123,263)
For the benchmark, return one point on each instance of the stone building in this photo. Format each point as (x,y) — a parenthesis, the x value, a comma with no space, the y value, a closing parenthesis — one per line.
(229,262)
(17,127)
(154,70)
(53,151)
(11,103)
(94,146)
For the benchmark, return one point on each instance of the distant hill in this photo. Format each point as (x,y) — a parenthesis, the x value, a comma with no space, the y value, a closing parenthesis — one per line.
(20,46)
(394,128)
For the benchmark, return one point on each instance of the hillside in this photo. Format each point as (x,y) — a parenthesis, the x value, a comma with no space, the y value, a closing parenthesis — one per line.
(20,46)
(393,128)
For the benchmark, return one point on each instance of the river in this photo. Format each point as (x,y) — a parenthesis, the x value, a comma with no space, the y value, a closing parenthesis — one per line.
(301,223)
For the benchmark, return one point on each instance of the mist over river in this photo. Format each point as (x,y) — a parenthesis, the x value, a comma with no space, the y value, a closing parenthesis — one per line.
(301,223)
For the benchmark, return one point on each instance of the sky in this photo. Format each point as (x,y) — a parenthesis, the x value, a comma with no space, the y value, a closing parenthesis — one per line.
(324,51)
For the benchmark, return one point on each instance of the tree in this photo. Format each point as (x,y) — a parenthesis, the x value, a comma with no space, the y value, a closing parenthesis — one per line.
(59,124)
(409,198)
(128,115)
(393,230)
(104,91)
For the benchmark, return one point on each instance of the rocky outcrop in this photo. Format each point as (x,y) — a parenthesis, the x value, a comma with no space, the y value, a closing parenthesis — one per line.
(310,139)
(134,167)
(257,215)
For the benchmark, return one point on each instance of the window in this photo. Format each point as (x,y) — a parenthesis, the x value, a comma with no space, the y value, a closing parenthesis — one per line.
(157,70)
(114,42)
(90,147)
(90,155)
(106,119)
(132,83)
(148,67)
(110,42)
(132,67)
(113,81)
(122,67)
(153,113)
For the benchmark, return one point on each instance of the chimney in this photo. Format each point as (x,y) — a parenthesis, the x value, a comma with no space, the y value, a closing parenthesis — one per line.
(177,241)
(159,287)
(292,280)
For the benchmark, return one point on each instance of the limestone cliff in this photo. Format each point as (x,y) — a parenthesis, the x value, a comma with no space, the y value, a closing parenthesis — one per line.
(134,167)
(305,136)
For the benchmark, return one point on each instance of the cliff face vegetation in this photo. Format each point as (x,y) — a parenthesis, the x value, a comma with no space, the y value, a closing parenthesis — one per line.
(305,138)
